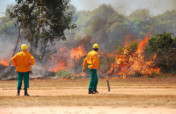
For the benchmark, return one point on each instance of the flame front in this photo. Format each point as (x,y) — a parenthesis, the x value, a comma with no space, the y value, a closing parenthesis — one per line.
(58,61)
(61,65)
(77,53)
(64,59)
(128,63)
(4,62)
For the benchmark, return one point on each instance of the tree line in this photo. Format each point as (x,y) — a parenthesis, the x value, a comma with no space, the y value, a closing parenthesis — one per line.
(40,23)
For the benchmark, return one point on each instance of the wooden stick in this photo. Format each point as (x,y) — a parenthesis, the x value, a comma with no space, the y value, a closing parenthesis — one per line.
(108,85)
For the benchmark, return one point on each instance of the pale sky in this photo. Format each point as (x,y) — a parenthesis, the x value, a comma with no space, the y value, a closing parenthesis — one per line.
(122,6)
(3,6)
(127,6)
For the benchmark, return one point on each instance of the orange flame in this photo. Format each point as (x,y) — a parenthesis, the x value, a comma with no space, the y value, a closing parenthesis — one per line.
(58,61)
(64,59)
(142,44)
(61,65)
(130,63)
(77,53)
(4,62)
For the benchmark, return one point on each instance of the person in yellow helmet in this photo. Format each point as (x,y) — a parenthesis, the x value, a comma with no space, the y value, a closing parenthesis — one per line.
(92,60)
(22,61)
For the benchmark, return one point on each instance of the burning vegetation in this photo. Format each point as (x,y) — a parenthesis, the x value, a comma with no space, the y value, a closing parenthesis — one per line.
(104,26)
(66,60)
(57,61)
(130,60)
(4,62)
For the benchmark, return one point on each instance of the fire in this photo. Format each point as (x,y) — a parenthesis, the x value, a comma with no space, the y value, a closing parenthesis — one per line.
(4,62)
(77,53)
(129,63)
(65,59)
(61,65)
(142,45)
(58,61)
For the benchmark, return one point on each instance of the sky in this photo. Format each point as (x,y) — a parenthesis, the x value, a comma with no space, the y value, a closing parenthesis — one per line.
(122,6)
(128,6)
(3,6)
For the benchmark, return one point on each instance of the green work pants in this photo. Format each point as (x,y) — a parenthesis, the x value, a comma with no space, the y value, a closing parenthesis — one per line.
(20,77)
(93,79)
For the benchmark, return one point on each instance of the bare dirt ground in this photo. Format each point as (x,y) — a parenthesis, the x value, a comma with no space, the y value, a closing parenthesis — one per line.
(127,96)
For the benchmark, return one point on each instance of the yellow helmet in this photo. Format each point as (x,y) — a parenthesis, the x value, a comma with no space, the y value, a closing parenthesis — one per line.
(95,46)
(24,46)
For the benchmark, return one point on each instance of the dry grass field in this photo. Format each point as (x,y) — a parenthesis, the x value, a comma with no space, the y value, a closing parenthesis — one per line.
(131,92)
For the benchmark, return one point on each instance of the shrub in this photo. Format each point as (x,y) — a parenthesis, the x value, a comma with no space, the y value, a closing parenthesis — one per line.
(164,45)
(64,74)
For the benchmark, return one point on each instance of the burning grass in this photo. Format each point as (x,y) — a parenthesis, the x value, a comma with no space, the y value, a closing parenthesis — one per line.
(125,61)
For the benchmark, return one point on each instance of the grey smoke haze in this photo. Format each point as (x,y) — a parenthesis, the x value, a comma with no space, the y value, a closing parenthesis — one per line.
(6,47)
(128,6)
(122,6)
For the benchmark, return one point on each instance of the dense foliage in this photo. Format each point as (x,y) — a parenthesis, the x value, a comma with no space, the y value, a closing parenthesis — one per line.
(164,45)
(109,28)
(104,24)
(7,26)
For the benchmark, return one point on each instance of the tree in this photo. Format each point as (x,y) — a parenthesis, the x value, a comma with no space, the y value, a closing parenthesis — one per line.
(7,26)
(165,22)
(143,14)
(140,22)
(42,21)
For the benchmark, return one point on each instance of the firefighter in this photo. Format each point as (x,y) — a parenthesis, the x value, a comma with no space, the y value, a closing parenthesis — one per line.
(22,61)
(92,60)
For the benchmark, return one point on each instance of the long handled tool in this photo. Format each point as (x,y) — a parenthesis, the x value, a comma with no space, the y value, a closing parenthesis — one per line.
(108,85)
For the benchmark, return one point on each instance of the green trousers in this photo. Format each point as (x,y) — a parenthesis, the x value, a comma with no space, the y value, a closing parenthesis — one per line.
(93,79)
(20,77)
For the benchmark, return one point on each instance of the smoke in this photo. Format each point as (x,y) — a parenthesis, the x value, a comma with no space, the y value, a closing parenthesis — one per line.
(128,6)
(6,47)
(108,39)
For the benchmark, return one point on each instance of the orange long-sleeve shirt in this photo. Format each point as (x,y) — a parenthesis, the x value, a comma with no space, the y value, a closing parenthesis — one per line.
(22,61)
(92,60)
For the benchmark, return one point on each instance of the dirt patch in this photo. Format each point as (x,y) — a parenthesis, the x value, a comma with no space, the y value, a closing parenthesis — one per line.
(87,110)
(126,96)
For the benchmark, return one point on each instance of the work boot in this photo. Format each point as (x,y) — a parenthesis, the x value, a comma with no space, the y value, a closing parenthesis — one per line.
(18,92)
(91,92)
(30,72)
(25,92)
(96,91)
